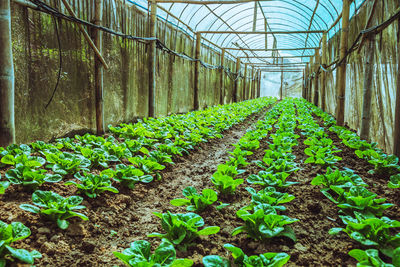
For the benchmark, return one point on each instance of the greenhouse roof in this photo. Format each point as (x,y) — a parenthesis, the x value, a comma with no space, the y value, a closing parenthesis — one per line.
(274,16)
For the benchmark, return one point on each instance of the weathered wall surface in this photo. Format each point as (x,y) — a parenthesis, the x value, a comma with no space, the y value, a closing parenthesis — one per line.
(384,81)
(36,60)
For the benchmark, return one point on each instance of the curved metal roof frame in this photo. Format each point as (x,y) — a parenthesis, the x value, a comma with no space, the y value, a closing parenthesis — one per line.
(281,15)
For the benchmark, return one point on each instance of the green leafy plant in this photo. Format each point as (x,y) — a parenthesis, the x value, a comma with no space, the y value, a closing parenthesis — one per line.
(269,196)
(147,165)
(10,233)
(139,254)
(3,186)
(55,207)
(215,261)
(371,232)
(368,258)
(238,158)
(30,178)
(394,181)
(128,176)
(67,163)
(263,224)
(196,202)
(98,157)
(23,159)
(336,177)
(269,259)
(182,228)
(265,179)
(92,185)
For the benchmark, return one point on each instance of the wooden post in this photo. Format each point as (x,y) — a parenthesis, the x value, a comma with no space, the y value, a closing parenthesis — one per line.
(98,69)
(316,80)
(7,123)
(152,59)
(367,90)
(281,89)
(396,135)
(236,90)
(222,77)
(306,73)
(310,82)
(196,102)
(341,83)
(259,84)
(243,93)
(324,61)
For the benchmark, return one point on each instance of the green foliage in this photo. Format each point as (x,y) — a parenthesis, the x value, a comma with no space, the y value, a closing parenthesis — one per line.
(92,185)
(269,259)
(98,157)
(55,207)
(139,254)
(264,224)
(269,196)
(343,179)
(182,228)
(372,232)
(224,179)
(67,163)
(275,179)
(147,165)
(30,178)
(394,181)
(194,201)
(368,258)
(128,176)
(10,233)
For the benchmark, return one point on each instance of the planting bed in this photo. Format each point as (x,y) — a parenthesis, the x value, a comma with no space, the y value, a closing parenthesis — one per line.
(277,146)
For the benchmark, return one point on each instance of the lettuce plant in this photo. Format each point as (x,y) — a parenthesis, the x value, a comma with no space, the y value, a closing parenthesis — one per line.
(238,158)
(336,177)
(369,257)
(269,259)
(394,181)
(55,207)
(3,186)
(67,163)
(182,228)
(215,261)
(360,199)
(128,176)
(160,157)
(263,224)
(30,178)
(265,179)
(139,254)
(10,233)
(98,157)
(147,165)
(269,196)
(278,165)
(371,232)
(194,201)
(23,159)
(92,185)
(225,184)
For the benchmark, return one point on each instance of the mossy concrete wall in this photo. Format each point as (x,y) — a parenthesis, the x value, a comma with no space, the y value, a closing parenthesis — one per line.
(36,60)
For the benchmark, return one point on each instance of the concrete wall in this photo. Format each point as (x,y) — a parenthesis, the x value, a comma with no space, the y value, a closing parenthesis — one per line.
(36,60)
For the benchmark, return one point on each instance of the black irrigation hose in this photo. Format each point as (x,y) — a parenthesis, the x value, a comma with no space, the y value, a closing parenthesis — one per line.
(43,7)
(60,60)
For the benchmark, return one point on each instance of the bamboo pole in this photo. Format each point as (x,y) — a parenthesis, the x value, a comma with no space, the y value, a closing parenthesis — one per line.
(243,93)
(341,83)
(98,69)
(281,89)
(259,84)
(86,35)
(271,49)
(303,87)
(367,90)
(275,57)
(222,78)
(7,122)
(25,3)
(310,82)
(262,32)
(316,80)
(255,17)
(196,104)
(324,61)
(236,88)
(152,59)
(396,135)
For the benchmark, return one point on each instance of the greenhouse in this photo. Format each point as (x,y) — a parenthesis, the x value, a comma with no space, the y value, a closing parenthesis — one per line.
(216,133)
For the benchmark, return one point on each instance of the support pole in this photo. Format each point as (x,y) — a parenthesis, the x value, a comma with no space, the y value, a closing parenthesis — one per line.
(244,83)
(196,104)
(341,83)
(281,89)
(316,80)
(310,82)
(259,84)
(98,69)
(152,58)
(367,90)
(396,136)
(306,72)
(236,89)
(222,78)
(253,81)
(7,123)
(324,61)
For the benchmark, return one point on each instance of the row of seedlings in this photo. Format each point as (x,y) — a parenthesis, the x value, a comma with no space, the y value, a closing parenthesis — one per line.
(137,154)
(384,165)
(360,210)
(182,229)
